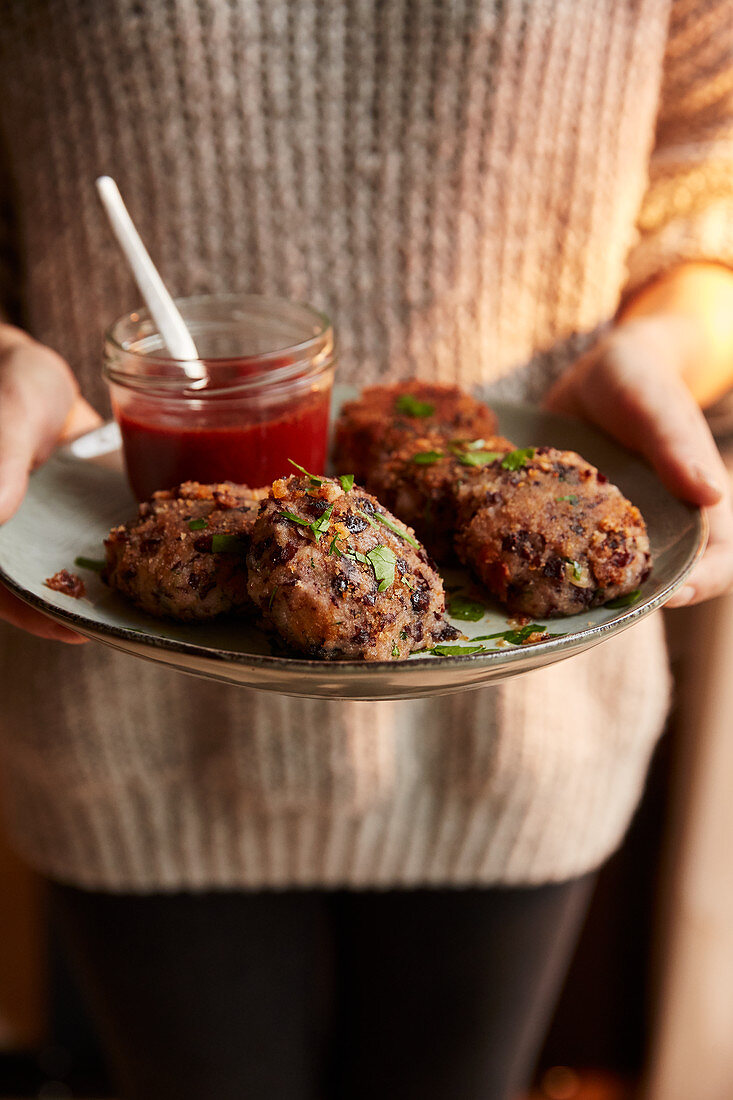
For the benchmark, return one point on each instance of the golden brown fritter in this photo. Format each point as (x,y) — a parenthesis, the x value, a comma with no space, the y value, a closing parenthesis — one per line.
(183,556)
(384,418)
(337,577)
(419,483)
(549,535)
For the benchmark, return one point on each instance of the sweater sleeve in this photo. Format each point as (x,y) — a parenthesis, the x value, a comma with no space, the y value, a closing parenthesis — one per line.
(687,210)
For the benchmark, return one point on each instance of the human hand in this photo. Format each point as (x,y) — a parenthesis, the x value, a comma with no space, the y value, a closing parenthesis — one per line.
(631,385)
(40,406)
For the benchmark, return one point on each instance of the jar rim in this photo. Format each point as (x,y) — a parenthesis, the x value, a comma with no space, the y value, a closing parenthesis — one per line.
(309,356)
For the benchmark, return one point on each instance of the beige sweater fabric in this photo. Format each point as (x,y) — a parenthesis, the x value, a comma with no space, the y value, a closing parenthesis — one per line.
(467,188)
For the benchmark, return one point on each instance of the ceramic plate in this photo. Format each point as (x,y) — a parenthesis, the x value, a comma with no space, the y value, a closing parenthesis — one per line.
(81,492)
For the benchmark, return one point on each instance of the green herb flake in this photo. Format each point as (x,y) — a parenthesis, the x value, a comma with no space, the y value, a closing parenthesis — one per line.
(575,568)
(426,458)
(322,524)
(515,637)
(403,635)
(460,607)
(347,482)
(313,564)
(95,564)
(571,499)
(478,458)
(456,650)
(333,548)
(516,459)
(383,562)
(460,446)
(365,516)
(196,524)
(228,544)
(624,601)
(314,480)
(397,530)
(411,406)
(272,597)
(395,650)
(296,519)
(356,555)
(318,527)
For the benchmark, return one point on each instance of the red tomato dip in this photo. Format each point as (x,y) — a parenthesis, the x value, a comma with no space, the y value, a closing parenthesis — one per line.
(162,451)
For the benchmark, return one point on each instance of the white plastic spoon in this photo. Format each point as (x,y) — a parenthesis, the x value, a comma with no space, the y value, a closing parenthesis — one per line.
(162,308)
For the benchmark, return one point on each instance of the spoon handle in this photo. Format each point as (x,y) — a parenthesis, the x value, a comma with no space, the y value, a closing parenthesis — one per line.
(162,308)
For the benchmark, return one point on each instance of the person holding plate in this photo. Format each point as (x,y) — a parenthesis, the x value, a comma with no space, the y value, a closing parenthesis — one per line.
(273,897)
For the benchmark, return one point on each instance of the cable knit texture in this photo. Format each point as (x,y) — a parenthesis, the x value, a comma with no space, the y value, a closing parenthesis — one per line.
(467,188)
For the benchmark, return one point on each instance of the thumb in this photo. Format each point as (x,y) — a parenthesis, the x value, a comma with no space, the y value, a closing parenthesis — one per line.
(624,388)
(37,389)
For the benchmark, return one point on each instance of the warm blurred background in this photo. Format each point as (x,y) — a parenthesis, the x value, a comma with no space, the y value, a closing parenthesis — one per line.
(647,1010)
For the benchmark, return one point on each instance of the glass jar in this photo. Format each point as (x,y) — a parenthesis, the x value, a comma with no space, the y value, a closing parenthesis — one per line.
(265,398)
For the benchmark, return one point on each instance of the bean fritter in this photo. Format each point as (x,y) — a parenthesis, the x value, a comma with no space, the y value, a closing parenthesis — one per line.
(183,556)
(335,576)
(548,534)
(420,481)
(383,418)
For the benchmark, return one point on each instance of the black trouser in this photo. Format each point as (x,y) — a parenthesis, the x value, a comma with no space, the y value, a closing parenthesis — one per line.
(401,995)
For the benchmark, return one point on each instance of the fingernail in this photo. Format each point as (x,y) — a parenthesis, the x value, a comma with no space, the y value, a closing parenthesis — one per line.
(685,595)
(703,477)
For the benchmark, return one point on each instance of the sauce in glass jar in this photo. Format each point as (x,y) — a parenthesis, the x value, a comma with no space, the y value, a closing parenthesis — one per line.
(265,400)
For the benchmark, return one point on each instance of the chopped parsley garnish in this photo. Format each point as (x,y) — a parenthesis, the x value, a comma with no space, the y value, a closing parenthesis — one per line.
(397,530)
(570,498)
(411,406)
(517,637)
(367,517)
(272,597)
(460,607)
(322,524)
(460,446)
(90,563)
(318,526)
(395,650)
(355,555)
(333,548)
(196,524)
(457,650)
(624,601)
(575,568)
(383,562)
(228,544)
(347,481)
(516,459)
(296,519)
(403,635)
(313,564)
(426,458)
(312,477)
(478,458)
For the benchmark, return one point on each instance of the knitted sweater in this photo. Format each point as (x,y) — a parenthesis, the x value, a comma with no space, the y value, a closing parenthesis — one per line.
(467,189)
